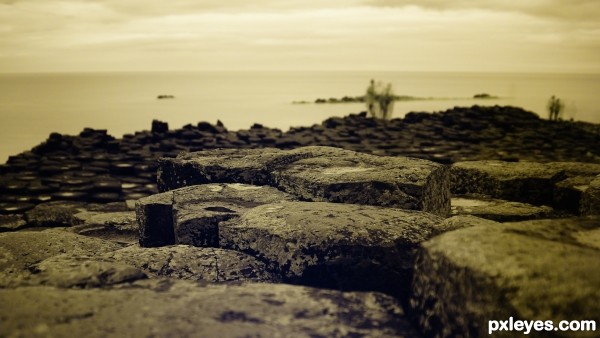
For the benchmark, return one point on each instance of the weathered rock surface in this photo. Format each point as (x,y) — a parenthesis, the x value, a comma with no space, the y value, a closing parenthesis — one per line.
(319,174)
(526,182)
(20,251)
(161,308)
(54,214)
(249,166)
(191,215)
(348,177)
(590,200)
(154,216)
(498,210)
(75,270)
(341,246)
(119,226)
(12,222)
(529,270)
(198,210)
(191,263)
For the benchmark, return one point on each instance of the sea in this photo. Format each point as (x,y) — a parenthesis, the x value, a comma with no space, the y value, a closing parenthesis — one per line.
(33,105)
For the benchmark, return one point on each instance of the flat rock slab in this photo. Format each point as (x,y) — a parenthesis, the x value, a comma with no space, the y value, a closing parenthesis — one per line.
(531,270)
(198,210)
(498,210)
(526,182)
(191,215)
(319,174)
(162,308)
(192,263)
(590,200)
(119,226)
(20,251)
(54,214)
(250,166)
(75,270)
(341,246)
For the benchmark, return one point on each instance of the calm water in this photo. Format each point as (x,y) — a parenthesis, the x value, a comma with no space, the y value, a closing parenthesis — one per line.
(34,105)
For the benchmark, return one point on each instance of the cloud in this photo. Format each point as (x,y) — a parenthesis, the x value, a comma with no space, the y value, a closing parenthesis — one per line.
(587,10)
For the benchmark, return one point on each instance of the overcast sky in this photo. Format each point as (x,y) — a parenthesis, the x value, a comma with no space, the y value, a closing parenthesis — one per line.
(427,35)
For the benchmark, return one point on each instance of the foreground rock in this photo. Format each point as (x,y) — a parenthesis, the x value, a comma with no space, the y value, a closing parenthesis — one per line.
(340,246)
(191,215)
(529,270)
(191,263)
(319,174)
(21,251)
(182,309)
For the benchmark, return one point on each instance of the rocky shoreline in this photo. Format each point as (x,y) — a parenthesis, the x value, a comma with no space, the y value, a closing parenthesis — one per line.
(427,226)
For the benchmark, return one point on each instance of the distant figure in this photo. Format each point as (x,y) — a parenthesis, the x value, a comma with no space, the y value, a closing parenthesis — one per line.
(555,107)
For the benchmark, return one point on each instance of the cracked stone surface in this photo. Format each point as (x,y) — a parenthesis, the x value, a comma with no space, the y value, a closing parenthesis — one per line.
(198,210)
(192,263)
(341,246)
(498,210)
(529,270)
(54,214)
(191,215)
(21,251)
(526,182)
(319,174)
(161,308)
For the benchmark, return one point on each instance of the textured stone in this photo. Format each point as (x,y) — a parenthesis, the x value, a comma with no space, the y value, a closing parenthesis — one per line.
(198,210)
(192,263)
(119,226)
(319,174)
(526,182)
(568,193)
(12,222)
(54,214)
(250,166)
(498,210)
(19,251)
(81,271)
(154,216)
(342,246)
(527,270)
(161,308)
(349,177)
(590,200)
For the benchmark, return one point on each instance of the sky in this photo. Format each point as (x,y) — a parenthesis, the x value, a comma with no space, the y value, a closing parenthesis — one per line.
(559,36)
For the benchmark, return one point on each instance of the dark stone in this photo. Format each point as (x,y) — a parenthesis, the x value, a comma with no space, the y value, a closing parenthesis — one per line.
(155,220)
(340,246)
(159,126)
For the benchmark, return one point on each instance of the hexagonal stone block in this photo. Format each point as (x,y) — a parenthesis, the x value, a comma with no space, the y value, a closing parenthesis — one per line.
(319,174)
(528,270)
(341,246)
(198,210)
(527,182)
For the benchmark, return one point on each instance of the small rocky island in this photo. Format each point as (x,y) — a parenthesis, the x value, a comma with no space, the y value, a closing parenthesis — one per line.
(426,226)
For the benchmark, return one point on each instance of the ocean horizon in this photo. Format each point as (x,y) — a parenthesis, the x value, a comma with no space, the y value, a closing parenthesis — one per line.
(33,105)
